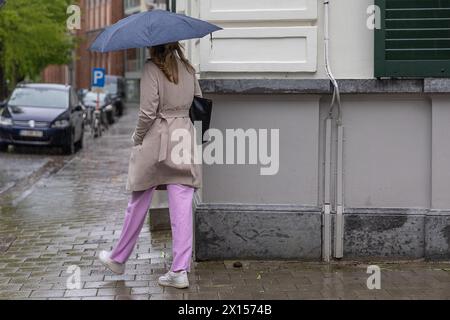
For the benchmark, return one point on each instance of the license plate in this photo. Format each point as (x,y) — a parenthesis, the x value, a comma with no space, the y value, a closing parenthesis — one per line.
(29,133)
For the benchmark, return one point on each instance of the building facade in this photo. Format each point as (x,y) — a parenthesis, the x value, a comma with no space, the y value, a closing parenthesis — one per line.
(366,178)
(135,58)
(56,74)
(96,15)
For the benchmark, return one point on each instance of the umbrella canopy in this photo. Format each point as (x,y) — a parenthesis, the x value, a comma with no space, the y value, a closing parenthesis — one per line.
(151,28)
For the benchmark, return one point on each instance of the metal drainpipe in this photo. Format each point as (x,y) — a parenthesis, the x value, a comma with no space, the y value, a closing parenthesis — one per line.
(327,209)
(339,223)
(326,215)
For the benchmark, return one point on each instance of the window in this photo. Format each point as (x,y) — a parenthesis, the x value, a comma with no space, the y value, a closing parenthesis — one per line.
(134,60)
(39,97)
(132,6)
(414,39)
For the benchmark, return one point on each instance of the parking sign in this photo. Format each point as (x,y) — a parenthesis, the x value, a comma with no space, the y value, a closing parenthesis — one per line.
(98,77)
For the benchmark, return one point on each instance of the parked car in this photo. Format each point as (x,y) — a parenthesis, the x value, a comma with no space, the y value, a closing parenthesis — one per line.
(105,103)
(115,88)
(43,115)
(82,93)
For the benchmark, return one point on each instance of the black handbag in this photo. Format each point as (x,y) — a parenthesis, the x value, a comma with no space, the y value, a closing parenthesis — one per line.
(201,110)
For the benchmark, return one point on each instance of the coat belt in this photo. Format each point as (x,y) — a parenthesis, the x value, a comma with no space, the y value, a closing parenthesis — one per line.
(163,116)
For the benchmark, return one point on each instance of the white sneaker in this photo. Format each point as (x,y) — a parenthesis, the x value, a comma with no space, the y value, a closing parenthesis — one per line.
(177,280)
(117,268)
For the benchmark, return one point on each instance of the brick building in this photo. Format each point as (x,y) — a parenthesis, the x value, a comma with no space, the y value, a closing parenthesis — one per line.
(135,58)
(56,74)
(95,16)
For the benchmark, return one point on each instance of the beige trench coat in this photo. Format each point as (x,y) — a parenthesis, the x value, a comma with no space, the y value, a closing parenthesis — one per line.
(164,107)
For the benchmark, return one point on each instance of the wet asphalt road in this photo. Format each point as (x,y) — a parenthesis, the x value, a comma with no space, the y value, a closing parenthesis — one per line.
(22,166)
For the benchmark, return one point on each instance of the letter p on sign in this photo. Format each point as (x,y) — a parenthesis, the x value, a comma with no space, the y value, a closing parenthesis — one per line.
(98,77)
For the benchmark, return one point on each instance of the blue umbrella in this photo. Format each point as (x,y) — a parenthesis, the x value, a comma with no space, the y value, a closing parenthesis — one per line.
(151,28)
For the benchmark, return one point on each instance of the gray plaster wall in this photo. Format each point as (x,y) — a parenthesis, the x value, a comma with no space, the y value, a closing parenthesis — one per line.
(387,151)
(297,118)
(440,152)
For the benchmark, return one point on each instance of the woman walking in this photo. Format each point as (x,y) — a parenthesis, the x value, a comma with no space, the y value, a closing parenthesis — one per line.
(168,87)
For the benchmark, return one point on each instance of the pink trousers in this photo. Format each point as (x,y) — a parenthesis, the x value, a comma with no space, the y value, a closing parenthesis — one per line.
(180,208)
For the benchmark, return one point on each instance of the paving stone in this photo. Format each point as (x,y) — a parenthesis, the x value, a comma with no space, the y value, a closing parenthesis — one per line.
(147,290)
(14,295)
(113,291)
(47,293)
(166,296)
(133,284)
(100,298)
(269,296)
(81,293)
(133,297)
(201,296)
(99,285)
(235,296)
(120,278)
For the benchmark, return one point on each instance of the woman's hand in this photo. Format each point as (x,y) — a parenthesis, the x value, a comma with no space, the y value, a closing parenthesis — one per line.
(135,143)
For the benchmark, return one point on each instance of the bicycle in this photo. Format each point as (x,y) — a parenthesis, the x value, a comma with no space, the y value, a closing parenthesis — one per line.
(96,121)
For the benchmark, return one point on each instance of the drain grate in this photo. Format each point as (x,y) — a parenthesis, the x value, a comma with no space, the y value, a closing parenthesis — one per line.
(5,243)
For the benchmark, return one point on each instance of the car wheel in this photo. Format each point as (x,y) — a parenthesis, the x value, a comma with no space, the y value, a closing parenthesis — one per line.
(105,122)
(3,147)
(110,116)
(69,148)
(119,109)
(79,144)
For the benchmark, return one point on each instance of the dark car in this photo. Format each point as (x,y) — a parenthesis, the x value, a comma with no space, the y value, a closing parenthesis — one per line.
(42,115)
(105,103)
(115,88)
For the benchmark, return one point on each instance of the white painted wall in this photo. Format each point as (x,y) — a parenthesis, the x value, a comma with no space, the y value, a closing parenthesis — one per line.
(258,40)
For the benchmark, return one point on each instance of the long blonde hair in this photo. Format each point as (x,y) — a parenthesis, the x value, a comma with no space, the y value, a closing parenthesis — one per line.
(165,57)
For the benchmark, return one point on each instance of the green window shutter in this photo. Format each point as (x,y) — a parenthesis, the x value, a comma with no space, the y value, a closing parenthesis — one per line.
(414,39)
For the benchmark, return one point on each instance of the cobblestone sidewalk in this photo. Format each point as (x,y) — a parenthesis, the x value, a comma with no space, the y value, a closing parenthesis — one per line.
(65,219)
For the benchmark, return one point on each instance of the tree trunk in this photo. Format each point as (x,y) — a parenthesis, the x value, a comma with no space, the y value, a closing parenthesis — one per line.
(3,84)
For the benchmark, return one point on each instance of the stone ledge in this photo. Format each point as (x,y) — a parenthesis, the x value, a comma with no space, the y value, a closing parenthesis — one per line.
(256,207)
(387,211)
(265,86)
(243,231)
(437,85)
(269,234)
(323,86)
(368,86)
